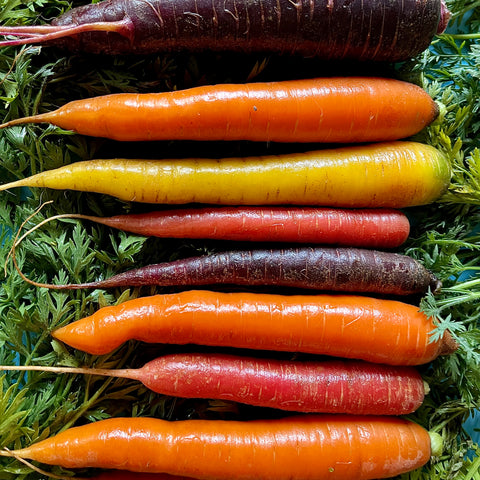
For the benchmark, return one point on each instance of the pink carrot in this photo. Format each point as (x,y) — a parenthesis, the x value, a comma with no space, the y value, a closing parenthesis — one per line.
(333,386)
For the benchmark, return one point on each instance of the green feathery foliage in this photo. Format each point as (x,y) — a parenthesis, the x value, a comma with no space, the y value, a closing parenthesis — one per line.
(445,236)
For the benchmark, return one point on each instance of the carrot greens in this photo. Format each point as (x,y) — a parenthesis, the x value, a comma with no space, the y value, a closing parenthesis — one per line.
(445,236)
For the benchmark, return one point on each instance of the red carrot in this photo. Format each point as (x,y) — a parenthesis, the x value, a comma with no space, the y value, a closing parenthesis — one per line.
(380,228)
(322,268)
(347,326)
(334,386)
(380,30)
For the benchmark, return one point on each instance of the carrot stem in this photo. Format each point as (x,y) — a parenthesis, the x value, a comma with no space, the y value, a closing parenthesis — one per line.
(436,443)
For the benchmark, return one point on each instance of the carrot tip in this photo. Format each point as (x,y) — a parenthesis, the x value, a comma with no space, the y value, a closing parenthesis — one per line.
(435,284)
(436,444)
(426,387)
(16,121)
(439,113)
(449,344)
(445,16)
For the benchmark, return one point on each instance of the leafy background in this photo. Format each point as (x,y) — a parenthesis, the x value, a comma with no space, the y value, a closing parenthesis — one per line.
(445,236)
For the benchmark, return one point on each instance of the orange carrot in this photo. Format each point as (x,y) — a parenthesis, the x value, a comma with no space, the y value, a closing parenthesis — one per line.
(316,447)
(382,331)
(124,475)
(345,110)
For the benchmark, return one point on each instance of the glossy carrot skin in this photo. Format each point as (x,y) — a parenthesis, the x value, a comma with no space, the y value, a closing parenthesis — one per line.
(395,175)
(303,447)
(349,326)
(309,386)
(124,475)
(375,228)
(334,386)
(388,30)
(339,269)
(333,110)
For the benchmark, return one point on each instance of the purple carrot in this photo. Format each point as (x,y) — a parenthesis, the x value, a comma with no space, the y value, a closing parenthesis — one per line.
(322,268)
(380,30)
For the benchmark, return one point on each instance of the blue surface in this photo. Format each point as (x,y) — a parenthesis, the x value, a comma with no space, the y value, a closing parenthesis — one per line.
(472,426)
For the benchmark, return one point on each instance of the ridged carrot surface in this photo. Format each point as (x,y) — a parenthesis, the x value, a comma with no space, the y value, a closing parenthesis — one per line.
(382,331)
(334,110)
(332,269)
(380,228)
(381,30)
(307,386)
(297,448)
(394,174)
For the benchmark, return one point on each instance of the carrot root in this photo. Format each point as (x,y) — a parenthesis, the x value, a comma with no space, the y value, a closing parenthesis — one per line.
(381,331)
(352,177)
(333,386)
(302,111)
(373,228)
(323,269)
(351,446)
(389,31)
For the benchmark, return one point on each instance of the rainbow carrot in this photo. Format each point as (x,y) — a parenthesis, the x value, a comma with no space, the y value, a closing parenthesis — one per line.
(377,228)
(338,269)
(390,31)
(333,110)
(303,447)
(394,175)
(381,331)
(334,386)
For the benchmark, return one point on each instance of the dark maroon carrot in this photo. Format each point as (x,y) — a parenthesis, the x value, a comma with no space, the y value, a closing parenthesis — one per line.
(334,269)
(333,386)
(373,228)
(380,30)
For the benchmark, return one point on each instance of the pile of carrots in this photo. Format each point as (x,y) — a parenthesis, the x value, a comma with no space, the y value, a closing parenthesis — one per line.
(343,410)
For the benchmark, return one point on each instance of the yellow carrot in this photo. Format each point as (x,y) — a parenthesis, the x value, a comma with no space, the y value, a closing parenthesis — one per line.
(394,174)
